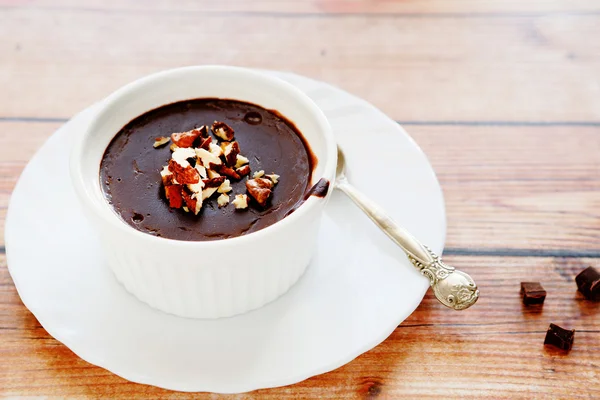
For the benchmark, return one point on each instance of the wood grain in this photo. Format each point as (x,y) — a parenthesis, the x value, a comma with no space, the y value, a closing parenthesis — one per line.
(493,350)
(503,96)
(506,188)
(522,68)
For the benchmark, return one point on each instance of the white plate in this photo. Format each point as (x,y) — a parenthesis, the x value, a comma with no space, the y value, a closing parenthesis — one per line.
(358,288)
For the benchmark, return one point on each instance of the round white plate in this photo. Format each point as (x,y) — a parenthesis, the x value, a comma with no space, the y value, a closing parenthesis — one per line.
(358,288)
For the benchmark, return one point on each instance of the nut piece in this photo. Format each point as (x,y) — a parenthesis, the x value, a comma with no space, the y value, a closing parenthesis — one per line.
(185,139)
(224,170)
(222,131)
(205,144)
(167,176)
(213,174)
(206,193)
(258,174)
(160,141)
(181,155)
(231,151)
(225,187)
(259,189)
(201,170)
(183,175)
(208,159)
(214,149)
(173,147)
(191,202)
(241,160)
(223,200)
(204,131)
(240,201)
(274,178)
(173,194)
(214,182)
(243,171)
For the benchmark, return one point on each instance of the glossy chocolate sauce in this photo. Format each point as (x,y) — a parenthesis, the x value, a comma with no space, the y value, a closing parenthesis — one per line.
(130,169)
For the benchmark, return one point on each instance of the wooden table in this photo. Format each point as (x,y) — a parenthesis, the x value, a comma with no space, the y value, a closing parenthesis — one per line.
(503,96)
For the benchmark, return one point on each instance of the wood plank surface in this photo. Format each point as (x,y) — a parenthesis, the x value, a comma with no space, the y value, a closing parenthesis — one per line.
(503,96)
(422,69)
(495,350)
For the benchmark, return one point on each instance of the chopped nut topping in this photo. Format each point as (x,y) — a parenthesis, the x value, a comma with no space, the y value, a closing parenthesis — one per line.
(240,201)
(160,141)
(223,200)
(259,189)
(243,171)
(222,130)
(225,187)
(199,168)
(241,160)
(274,178)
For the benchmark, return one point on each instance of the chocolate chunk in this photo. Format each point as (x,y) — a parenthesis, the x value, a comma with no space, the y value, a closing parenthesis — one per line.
(560,337)
(533,293)
(588,283)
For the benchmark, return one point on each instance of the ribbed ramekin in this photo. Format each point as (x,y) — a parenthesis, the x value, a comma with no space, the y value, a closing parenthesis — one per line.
(217,278)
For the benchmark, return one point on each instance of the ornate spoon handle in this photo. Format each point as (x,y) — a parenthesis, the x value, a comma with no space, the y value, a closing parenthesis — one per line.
(453,288)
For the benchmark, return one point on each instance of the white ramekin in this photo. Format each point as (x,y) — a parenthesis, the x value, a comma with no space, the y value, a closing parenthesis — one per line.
(204,279)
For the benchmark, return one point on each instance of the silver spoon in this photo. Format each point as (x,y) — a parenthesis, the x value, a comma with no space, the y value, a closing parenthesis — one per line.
(453,288)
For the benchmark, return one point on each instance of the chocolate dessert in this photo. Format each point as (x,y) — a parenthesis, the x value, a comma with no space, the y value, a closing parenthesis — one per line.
(206,169)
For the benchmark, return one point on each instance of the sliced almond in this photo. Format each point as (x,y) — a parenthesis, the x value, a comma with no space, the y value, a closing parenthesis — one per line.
(223,200)
(240,201)
(160,141)
(173,147)
(258,174)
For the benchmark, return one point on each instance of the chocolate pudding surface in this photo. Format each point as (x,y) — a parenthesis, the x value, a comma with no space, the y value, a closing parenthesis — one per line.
(131,180)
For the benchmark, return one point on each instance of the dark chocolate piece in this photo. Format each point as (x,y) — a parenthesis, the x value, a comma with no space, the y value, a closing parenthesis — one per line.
(560,337)
(271,142)
(588,283)
(533,293)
